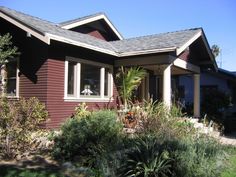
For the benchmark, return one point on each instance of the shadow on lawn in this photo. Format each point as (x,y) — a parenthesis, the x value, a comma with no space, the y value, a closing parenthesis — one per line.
(37,166)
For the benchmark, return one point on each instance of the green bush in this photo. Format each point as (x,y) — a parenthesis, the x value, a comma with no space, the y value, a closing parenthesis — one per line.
(88,137)
(152,156)
(18,119)
(202,157)
(146,158)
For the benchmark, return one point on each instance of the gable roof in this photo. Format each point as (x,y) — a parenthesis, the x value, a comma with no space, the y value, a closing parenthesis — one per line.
(163,42)
(46,31)
(88,19)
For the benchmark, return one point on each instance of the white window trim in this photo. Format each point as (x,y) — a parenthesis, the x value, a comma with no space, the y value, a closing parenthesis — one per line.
(17,82)
(76,97)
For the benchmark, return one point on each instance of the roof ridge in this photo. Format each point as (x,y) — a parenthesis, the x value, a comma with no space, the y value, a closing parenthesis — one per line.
(81,18)
(157,34)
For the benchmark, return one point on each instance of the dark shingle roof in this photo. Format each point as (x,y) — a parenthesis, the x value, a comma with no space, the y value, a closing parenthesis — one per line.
(45,27)
(145,43)
(157,41)
(80,19)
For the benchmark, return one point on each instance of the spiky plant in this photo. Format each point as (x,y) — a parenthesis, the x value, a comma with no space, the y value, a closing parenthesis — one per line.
(146,159)
(128,81)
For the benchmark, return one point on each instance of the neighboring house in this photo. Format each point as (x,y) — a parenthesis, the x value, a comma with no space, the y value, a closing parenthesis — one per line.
(223,80)
(72,62)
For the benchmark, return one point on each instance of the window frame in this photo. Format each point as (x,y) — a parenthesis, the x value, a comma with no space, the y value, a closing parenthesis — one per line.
(78,97)
(17,80)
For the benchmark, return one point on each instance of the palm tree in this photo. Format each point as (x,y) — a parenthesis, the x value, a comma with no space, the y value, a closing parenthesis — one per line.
(7,51)
(128,81)
(215,50)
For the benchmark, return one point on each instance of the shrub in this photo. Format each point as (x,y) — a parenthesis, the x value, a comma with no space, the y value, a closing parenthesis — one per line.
(214,104)
(155,156)
(146,158)
(88,137)
(199,158)
(158,119)
(17,120)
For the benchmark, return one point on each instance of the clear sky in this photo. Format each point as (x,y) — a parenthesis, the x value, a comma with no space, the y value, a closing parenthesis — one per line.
(142,17)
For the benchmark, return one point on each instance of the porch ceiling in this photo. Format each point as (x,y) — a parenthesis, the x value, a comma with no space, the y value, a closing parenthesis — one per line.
(158,69)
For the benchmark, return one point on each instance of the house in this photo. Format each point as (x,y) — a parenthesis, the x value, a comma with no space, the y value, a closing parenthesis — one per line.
(223,81)
(72,62)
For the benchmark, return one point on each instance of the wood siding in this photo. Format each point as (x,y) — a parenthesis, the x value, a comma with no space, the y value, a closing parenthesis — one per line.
(58,108)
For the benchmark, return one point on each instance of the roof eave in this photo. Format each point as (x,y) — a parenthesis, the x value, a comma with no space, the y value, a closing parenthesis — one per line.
(146,52)
(38,34)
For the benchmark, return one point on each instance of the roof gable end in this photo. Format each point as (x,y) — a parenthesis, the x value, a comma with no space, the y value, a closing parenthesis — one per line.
(89,19)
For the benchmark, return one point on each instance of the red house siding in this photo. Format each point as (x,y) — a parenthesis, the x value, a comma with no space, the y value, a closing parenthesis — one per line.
(58,108)
(97,34)
(185,55)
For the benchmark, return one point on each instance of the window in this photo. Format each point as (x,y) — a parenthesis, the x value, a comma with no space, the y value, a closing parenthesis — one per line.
(71,78)
(11,78)
(87,80)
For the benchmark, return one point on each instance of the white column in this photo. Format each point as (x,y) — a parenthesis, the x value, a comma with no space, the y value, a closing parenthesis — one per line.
(196,103)
(167,86)
(102,82)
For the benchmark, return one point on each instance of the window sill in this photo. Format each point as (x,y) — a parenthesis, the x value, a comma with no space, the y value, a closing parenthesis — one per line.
(92,99)
(13,97)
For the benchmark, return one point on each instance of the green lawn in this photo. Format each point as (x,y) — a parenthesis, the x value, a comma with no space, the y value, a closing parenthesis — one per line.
(230,170)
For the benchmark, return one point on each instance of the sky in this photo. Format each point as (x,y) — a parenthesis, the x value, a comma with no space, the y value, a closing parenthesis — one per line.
(135,18)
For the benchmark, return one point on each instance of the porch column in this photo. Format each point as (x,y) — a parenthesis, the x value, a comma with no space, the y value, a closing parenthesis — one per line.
(196,104)
(167,86)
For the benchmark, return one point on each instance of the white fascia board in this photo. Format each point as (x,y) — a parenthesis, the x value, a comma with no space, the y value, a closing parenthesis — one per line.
(80,44)
(41,37)
(187,44)
(209,52)
(92,19)
(186,65)
(152,51)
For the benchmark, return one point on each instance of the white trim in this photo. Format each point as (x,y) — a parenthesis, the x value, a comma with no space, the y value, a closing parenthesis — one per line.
(80,44)
(92,19)
(90,99)
(110,83)
(185,65)
(190,41)
(89,62)
(66,79)
(77,97)
(78,74)
(151,51)
(209,52)
(41,37)
(102,82)
(17,79)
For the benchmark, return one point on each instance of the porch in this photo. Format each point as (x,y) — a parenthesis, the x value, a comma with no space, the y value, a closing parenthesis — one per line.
(159,82)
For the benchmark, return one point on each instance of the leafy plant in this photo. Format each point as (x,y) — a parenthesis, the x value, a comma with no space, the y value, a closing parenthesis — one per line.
(128,81)
(17,120)
(201,157)
(87,137)
(81,111)
(146,159)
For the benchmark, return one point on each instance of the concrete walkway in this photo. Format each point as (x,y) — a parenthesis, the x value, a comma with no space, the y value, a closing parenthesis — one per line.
(228,139)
